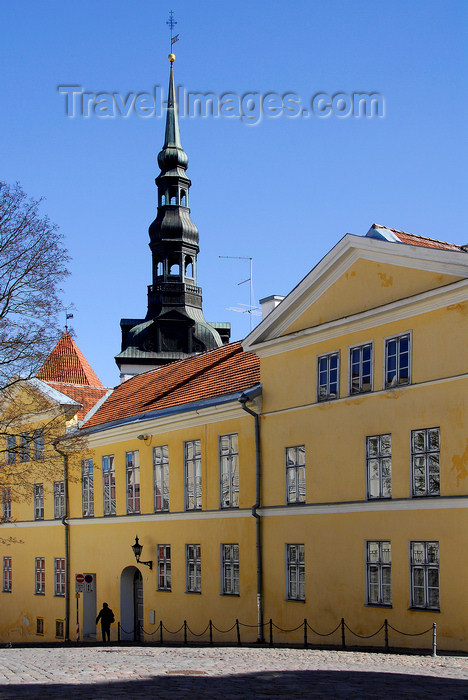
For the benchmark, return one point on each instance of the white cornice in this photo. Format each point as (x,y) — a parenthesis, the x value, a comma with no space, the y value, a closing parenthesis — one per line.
(395,311)
(349,249)
(182,421)
(384,505)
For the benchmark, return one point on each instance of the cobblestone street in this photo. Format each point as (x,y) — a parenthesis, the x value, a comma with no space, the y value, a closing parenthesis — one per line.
(142,672)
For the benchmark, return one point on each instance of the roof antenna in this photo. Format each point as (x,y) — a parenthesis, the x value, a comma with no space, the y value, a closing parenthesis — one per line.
(251,309)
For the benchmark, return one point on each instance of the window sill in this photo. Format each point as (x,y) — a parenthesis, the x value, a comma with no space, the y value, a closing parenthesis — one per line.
(59,595)
(231,595)
(295,600)
(425,495)
(193,592)
(432,610)
(228,507)
(379,605)
(37,593)
(296,503)
(6,591)
(164,590)
(379,498)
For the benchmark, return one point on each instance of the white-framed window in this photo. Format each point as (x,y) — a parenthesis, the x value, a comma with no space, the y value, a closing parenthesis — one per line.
(425,462)
(230,569)
(161,478)
(164,567)
(59,499)
(424,564)
(87,487)
(360,368)
(39,577)
(59,576)
(192,475)
(108,485)
(38,502)
(132,471)
(328,376)
(229,471)
(7,576)
(25,443)
(397,360)
(379,466)
(193,568)
(378,573)
(11,449)
(38,444)
(6,503)
(295,572)
(295,474)
(40,626)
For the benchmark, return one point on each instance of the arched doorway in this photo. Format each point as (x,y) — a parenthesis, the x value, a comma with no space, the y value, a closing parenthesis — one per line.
(131,603)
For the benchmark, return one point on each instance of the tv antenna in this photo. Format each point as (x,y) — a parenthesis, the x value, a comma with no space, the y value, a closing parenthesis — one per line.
(250,309)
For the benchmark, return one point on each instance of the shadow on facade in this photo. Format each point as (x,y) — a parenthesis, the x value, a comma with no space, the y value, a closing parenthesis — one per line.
(270,684)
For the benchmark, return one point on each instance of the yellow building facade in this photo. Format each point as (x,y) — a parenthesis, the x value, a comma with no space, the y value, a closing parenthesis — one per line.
(319,472)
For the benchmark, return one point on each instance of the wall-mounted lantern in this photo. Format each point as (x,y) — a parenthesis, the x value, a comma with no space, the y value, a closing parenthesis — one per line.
(137,548)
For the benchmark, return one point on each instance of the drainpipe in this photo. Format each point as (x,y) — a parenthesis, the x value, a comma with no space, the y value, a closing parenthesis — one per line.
(243,401)
(67,540)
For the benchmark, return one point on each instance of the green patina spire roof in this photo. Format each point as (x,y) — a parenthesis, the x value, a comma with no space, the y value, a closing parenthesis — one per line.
(172,154)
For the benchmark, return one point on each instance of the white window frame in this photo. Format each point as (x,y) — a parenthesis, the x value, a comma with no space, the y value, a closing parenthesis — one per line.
(427,455)
(192,568)
(294,467)
(360,347)
(382,564)
(380,459)
(230,570)
(328,396)
(6,504)
(38,502)
(25,447)
(39,575)
(59,499)
(164,578)
(228,470)
(7,575)
(59,576)
(109,504)
(11,449)
(161,478)
(39,444)
(132,482)
(87,487)
(192,475)
(295,572)
(426,567)
(396,381)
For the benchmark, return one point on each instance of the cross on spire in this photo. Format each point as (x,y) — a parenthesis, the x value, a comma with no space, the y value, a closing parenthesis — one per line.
(171,22)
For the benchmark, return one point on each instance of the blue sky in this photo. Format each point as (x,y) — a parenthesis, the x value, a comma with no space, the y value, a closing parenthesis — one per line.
(283,191)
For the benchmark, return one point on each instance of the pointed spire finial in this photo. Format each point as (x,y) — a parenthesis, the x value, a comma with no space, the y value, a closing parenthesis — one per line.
(171,22)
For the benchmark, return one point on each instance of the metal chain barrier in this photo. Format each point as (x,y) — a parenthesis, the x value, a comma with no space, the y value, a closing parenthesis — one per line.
(271,625)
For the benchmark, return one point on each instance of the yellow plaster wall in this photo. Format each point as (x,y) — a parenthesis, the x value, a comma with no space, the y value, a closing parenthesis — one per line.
(367,285)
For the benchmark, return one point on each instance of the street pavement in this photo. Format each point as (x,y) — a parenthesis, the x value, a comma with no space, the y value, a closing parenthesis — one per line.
(111,671)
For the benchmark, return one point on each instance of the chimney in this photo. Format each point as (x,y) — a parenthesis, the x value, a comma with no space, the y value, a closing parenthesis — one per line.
(269,303)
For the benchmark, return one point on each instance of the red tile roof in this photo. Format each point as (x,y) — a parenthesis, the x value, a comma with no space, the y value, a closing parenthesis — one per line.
(66,363)
(88,396)
(413,239)
(222,371)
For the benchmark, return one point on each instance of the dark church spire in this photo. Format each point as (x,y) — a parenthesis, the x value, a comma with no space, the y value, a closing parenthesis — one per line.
(174,326)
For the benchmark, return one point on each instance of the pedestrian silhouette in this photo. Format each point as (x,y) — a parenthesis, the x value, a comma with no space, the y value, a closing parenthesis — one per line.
(107,618)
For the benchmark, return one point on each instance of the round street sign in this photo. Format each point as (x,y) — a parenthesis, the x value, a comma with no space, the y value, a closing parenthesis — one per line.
(79,578)
(88,578)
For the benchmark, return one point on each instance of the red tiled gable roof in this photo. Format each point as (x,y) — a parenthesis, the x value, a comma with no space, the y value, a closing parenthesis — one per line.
(66,363)
(88,396)
(413,239)
(224,370)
